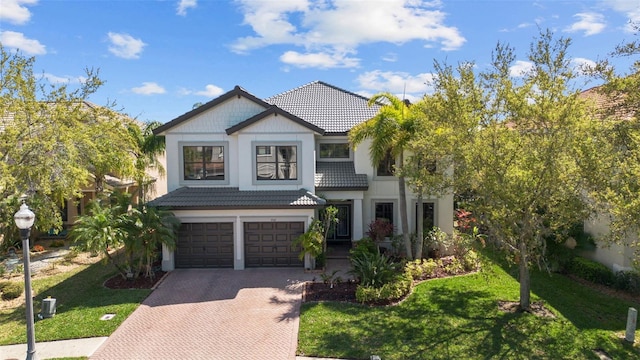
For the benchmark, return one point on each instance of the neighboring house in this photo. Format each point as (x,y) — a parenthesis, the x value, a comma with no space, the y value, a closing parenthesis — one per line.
(73,208)
(246,176)
(615,256)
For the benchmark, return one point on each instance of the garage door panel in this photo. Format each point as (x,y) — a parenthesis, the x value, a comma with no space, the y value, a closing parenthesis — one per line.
(269,244)
(204,245)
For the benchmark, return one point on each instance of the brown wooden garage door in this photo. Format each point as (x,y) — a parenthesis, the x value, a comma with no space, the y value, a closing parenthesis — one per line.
(205,245)
(270,244)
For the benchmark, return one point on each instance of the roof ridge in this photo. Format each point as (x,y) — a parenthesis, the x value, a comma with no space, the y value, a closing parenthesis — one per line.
(320,82)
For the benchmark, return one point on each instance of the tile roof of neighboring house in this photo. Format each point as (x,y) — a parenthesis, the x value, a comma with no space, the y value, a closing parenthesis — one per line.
(607,104)
(328,107)
(339,176)
(196,198)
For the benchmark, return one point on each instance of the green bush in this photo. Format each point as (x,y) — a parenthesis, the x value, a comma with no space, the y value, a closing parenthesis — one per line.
(452,265)
(592,271)
(470,260)
(372,269)
(365,245)
(11,289)
(628,281)
(57,243)
(394,290)
(421,269)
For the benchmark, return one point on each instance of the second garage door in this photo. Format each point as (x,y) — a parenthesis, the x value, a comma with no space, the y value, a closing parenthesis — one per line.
(204,245)
(270,244)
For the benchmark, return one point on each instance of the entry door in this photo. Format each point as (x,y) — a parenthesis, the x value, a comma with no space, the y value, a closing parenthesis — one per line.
(342,230)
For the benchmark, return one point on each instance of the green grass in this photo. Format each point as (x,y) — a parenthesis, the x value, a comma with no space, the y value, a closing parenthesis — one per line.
(458,318)
(81,300)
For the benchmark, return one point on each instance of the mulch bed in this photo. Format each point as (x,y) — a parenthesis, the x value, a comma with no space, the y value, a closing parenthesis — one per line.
(141,282)
(317,291)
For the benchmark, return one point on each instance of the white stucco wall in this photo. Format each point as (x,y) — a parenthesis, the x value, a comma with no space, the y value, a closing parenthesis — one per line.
(615,256)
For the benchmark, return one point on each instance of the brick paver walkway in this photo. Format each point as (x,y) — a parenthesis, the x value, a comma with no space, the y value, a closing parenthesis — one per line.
(214,314)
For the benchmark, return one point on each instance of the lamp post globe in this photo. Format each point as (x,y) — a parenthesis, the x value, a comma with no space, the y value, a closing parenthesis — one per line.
(24,219)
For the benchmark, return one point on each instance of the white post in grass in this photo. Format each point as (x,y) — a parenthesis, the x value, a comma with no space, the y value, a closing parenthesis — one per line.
(632,317)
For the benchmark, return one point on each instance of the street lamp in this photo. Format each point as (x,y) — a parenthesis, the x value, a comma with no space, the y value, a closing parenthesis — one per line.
(24,219)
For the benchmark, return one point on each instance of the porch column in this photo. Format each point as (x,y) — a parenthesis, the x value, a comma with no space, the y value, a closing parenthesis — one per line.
(168,263)
(357,219)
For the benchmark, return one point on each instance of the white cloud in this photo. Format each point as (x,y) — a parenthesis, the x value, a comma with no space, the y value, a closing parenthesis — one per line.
(54,79)
(15,11)
(400,83)
(591,23)
(149,88)
(320,60)
(580,64)
(17,41)
(183,5)
(631,9)
(330,27)
(125,46)
(390,57)
(211,91)
(521,68)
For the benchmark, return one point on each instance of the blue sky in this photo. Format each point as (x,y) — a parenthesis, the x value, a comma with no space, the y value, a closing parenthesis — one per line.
(160,57)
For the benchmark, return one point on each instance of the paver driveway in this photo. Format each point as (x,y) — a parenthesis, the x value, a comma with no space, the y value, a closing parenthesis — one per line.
(214,314)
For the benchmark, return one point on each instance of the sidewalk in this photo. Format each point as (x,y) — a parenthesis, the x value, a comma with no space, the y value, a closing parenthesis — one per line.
(54,349)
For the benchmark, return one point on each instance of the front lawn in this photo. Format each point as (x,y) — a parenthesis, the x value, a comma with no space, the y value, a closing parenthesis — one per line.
(459,318)
(81,300)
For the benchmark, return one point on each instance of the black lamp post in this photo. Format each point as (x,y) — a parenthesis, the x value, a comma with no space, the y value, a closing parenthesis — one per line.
(24,219)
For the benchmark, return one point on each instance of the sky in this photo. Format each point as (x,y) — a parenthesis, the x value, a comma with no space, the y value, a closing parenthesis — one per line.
(159,58)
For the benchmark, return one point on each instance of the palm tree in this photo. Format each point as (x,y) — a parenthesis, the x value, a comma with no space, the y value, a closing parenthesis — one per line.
(100,230)
(148,229)
(390,131)
(148,148)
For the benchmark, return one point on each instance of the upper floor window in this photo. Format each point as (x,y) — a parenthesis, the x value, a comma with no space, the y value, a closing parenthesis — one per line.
(385,166)
(276,162)
(203,162)
(334,151)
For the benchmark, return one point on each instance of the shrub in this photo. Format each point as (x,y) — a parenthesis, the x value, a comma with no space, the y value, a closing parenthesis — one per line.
(372,269)
(451,265)
(365,245)
(37,248)
(379,229)
(57,243)
(591,271)
(628,281)
(421,269)
(11,289)
(394,290)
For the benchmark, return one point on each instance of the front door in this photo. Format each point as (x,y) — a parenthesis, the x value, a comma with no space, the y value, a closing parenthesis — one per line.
(341,231)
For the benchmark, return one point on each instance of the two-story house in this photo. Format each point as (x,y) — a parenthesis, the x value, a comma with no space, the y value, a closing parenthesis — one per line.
(246,176)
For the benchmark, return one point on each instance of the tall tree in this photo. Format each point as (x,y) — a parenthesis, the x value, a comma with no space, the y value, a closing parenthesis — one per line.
(446,120)
(149,147)
(389,131)
(534,155)
(41,136)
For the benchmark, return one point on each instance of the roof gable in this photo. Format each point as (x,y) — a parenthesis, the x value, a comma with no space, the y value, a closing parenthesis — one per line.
(236,92)
(326,106)
(272,111)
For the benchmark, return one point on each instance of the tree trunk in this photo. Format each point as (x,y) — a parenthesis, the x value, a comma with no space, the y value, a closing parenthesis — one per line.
(420,227)
(525,280)
(403,212)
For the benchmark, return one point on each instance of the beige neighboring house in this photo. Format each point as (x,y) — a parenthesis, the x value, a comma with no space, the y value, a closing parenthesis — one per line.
(75,207)
(617,257)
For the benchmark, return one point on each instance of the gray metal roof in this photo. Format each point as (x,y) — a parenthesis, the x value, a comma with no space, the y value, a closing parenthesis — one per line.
(339,176)
(206,198)
(328,107)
